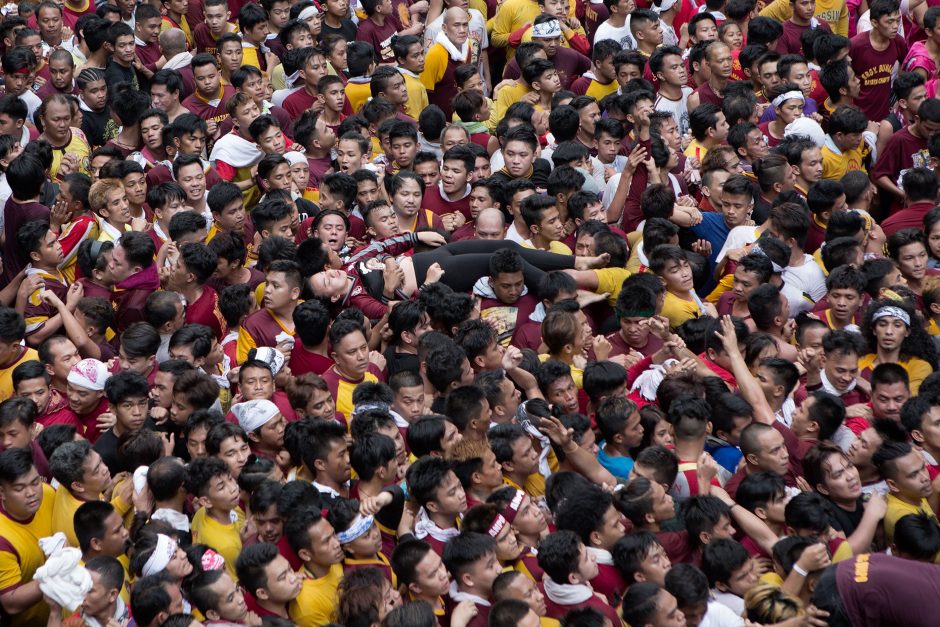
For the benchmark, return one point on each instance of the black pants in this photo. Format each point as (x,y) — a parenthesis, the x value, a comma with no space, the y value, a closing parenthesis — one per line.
(465,262)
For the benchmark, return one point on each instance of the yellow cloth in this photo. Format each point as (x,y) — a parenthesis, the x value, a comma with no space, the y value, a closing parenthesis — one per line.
(167,24)
(279,79)
(917,369)
(559,248)
(725,284)
(577,374)
(610,280)
(897,509)
(695,149)
(598,90)
(358,94)
(836,166)
(250,55)
(225,540)
(20,555)
(679,310)
(6,374)
(417,95)
(843,552)
(78,146)
(64,513)
(316,602)
(509,95)
(834,12)
(435,66)
(772,578)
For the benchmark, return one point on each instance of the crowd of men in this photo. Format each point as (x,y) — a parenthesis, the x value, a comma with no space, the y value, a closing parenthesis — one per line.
(469,313)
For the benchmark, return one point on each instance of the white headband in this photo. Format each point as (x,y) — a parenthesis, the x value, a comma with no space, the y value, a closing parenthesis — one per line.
(357,528)
(546,30)
(161,556)
(307,13)
(789,95)
(89,374)
(891,312)
(293,157)
(254,414)
(664,6)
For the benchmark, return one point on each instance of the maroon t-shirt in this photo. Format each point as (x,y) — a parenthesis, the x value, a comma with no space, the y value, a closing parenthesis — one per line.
(149,55)
(619,346)
(880,590)
(789,42)
(874,70)
(902,152)
(436,202)
(15,215)
(380,37)
(707,94)
(570,65)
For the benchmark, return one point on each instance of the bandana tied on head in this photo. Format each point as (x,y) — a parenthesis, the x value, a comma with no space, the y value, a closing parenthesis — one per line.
(271,356)
(789,95)
(546,30)
(498,523)
(664,6)
(254,414)
(89,374)
(512,508)
(357,528)
(293,157)
(212,560)
(891,312)
(161,556)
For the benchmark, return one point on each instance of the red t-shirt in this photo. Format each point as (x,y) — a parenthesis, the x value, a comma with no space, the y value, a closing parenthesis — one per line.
(874,69)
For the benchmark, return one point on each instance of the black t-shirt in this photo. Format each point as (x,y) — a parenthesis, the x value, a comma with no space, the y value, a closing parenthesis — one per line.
(397,362)
(95,125)
(844,520)
(346,28)
(116,73)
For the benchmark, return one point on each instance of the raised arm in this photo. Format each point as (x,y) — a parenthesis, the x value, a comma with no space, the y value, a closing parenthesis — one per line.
(750,388)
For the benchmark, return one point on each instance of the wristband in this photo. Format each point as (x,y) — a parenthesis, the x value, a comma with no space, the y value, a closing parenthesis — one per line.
(799,570)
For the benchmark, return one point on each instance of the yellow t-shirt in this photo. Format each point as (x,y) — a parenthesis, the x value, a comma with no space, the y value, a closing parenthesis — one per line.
(917,369)
(20,555)
(64,513)
(897,509)
(358,93)
(610,280)
(695,149)
(834,12)
(6,374)
(225,540)
(835,166)
(679,310)
(315,604)
(250,55)
(417,94)
(78,145)
(598,90)
(509,95)
(577,374)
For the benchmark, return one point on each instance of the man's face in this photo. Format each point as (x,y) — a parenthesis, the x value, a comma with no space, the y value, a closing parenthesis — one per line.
(63,356)
(589,116)
(269,523)
(430,173)
(148,30)
(61,73)
(841,369)
(192,178)
(842,483)
(383,222)
(279,14)
(563,393)
(409,402)
(454,176)
(332,231)
(99,598)
(216,16)
(887,399)
(271,142)
(888,25)
(124,49)
(655,565)
(15,435)
(50,24)
(524,589)
(678,276)
(325,548)
(457,27)
(82,400)
(115,539)
(256,383)
(36,390)
(96,476)
(450,499)
(231,602)
(407,200)
(230,56)
(844,302)
(480,199)
(911,480)
(208,80)
(736,208)
(431,578)
(315,69)
(334,96)
(811,165)
(351,353)
(508,286)
(550,226)
(151,132)
(22,496)
(131,413)
(192,143)
(772,456)
(608,147)
(403,151)
(283,583)
(744,282)
(279,177)
(17,83)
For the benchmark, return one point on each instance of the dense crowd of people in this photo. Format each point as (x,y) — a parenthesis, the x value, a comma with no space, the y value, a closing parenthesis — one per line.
(469,313)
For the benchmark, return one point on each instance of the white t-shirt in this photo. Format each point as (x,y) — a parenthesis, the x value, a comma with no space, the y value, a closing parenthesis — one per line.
(720,615)
(738,237)
(621,35)
(807,278)
(678,108)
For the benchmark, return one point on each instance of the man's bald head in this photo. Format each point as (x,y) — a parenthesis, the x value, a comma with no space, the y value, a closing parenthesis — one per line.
(455,13)
(172,42)
(490,224)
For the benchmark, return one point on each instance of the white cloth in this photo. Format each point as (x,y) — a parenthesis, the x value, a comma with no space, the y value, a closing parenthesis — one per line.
(478,39)
(281,95)
(620,34)
(236,151)
(179,61)
(457,55)
(140,478)
(678,108)
(89,374)
(648,381)
(483,289)
(425,527)
(161,556)
(720,615)
(604,558)
(808,127)
(32,103)
(271,356)
(459,596)
(829,387)
(175,519)
(566,593)
(63,579)
(808,278)
(120,615)
(732,601)
(254,414)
